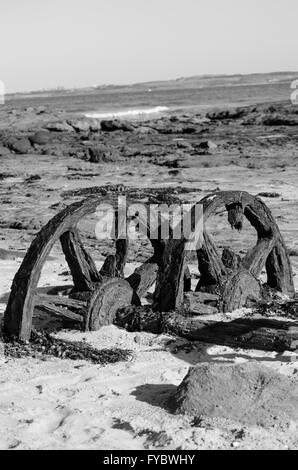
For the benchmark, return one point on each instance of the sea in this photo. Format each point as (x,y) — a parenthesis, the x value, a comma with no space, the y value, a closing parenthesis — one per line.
(142,102)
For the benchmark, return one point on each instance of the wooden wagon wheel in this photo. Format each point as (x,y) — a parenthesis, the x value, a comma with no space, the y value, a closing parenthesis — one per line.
(88,292)
(96,295)
(92,303)
(235,280)
(270,250)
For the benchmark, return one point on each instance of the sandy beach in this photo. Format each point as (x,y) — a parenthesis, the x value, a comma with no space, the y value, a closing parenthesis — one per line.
(51,157)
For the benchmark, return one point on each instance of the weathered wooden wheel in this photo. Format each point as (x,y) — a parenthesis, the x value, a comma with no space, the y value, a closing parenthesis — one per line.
(270,250)
(96,296)
(232,278)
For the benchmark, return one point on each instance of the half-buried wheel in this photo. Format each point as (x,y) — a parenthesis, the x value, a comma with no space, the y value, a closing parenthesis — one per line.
(105,300)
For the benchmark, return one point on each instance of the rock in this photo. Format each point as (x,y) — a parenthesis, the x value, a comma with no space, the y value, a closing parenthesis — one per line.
(20,146)
(277,120)
(61,126)
(32,178)
(4,151)
(292,252)
(95,125)
(207,145)
(145,130)
(110,126)
(227,114)
(116,125)
(183,144)
(270,195)
(249,393)
(189,130)
(200,120)
(40,138)
(127,127)
(52,150)
(41,110)
(102,154)
(80,125)
(168,128)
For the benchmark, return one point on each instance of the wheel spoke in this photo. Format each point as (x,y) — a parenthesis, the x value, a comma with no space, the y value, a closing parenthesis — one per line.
(82,266)
(61,306)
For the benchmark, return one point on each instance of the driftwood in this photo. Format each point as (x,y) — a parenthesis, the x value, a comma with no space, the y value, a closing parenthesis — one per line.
(260,333)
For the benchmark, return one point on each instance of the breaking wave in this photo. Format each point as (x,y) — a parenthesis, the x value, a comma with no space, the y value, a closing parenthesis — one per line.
(128,113)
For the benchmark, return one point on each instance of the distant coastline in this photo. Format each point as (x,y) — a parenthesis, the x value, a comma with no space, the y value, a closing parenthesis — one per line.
(199,81)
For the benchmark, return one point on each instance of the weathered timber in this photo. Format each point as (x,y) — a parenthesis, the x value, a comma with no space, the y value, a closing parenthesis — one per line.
(19,311)
(211,267)
(255,259)
(270,252)
(108,268)
(205,297)
(252,333)
(104,302)
(59,300)
(169,289)
(197,305)
(187,280)
(279,270)
(54,309)
(235,215)
(270,249)
(230,259)
(121,256)
(143,277)
(81,265)
(240,289)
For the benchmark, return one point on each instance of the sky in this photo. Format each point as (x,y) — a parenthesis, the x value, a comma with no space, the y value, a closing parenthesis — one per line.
(77,43)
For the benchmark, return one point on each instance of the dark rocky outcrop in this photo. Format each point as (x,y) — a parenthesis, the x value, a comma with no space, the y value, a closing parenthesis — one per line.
(207,145)
(227,114)
(279,120)
(4,151)
(40,138)
(102,154)
(116,125)
(20,146)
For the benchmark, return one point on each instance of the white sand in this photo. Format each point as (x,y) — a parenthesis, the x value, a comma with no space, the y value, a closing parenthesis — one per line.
(64,404)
